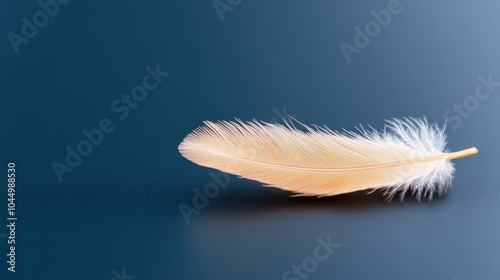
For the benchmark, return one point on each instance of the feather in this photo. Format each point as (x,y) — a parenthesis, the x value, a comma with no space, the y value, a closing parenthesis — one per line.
(408,155)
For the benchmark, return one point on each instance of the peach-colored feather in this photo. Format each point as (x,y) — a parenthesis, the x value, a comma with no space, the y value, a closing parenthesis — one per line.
(409,154)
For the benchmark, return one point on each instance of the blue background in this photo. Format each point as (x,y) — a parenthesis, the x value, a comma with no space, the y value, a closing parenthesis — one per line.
(266,59)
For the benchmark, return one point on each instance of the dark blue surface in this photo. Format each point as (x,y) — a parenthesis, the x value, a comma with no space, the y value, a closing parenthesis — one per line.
(119,207)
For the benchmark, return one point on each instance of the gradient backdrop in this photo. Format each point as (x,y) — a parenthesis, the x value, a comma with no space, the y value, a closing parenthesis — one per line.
(71,66)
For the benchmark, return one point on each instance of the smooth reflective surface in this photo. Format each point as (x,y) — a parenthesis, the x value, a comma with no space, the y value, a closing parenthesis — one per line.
(119,212)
